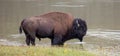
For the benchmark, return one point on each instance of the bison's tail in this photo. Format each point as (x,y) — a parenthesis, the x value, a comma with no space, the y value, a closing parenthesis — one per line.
(20,29)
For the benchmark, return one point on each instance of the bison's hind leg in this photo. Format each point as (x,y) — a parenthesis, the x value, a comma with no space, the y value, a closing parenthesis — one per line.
(30,38)
(27,40)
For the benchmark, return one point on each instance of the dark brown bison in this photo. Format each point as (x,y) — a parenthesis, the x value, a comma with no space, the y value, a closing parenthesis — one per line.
(57,26)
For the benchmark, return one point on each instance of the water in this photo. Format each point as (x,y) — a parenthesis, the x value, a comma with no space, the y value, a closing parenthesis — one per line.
(102,17)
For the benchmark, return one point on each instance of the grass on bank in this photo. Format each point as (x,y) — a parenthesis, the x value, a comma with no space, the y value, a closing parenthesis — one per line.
(41,51)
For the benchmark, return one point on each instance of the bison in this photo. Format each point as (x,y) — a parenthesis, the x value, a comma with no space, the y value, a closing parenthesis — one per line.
(57,26)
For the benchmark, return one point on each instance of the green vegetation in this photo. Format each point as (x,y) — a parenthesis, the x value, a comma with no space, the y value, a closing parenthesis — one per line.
(41,51)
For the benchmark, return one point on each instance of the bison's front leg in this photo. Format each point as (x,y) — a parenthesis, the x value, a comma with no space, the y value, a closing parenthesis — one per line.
(57,40)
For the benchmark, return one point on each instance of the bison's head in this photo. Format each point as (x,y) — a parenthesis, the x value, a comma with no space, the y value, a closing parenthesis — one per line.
(79,28)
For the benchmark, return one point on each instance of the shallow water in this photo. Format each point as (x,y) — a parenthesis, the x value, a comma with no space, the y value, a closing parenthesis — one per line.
(105,42)
(102,17)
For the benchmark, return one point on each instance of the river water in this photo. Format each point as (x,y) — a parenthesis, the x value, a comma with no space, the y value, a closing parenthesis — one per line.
(102,17)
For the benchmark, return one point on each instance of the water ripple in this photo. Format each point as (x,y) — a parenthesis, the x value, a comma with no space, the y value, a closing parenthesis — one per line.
(114,34)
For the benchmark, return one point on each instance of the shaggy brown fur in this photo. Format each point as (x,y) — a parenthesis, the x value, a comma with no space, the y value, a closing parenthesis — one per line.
(57,26)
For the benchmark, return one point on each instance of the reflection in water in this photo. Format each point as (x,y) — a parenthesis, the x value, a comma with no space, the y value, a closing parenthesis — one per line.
(73,45)
(82,47)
